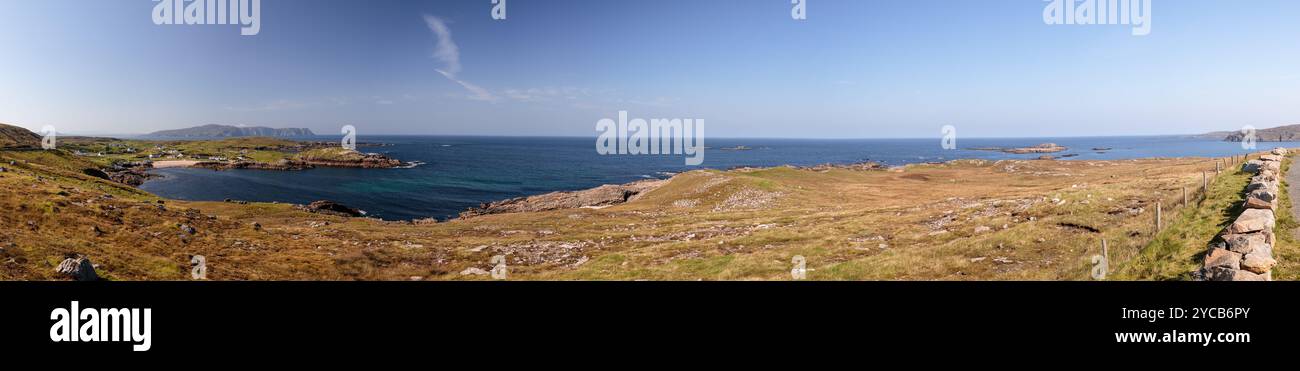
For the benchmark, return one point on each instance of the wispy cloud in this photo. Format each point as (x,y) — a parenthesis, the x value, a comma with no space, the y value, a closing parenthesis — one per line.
(476,92)
(449,54)
(446,50)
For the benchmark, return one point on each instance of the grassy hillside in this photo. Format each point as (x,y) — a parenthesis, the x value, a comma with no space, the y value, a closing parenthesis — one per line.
(966,220)
(257,149)
(16,137)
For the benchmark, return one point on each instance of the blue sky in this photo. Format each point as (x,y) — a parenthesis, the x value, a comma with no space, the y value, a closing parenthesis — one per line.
(853,69)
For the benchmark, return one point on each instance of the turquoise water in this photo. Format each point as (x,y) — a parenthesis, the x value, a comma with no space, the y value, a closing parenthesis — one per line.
(462,172)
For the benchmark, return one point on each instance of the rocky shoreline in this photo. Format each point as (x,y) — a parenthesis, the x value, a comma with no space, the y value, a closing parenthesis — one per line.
(599,197)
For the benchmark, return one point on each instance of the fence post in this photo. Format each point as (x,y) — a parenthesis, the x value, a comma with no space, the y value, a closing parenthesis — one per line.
(1105,251)
(1184,196)
(1158,216)
(1204,189)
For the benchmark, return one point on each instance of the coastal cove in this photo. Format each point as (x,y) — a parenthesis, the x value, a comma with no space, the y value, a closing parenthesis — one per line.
(463,172)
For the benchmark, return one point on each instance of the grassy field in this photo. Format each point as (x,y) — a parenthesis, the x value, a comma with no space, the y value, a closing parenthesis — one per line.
(1178,250)
(964,220)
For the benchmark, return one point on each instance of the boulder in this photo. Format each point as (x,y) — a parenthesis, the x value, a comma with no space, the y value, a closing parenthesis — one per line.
(1279,151)
(1265,180)
(1271,158)
(1253,220)
(1266,187)
(1252,166)
(1212,274)
(1258,263)
(1273,166)
(77,267)
(1221,258)
(1261,199)
(1225,274)
(1246,243)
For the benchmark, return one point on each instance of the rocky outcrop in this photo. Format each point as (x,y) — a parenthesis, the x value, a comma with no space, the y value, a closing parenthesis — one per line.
(334,208)
(77,267)
(132,177)
(367,161)
(1041,148)
(1245,251)
(606,195)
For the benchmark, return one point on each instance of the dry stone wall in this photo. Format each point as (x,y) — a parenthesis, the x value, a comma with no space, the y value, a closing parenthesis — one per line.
(1244,252)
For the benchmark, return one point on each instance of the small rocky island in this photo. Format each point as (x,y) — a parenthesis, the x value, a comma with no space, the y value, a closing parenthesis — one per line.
(1041,148)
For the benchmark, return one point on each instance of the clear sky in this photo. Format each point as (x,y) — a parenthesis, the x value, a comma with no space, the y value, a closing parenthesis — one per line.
(854,68)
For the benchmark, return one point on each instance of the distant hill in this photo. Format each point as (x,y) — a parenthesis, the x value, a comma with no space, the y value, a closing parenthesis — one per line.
(16,137)
(227,131)
(1289,133)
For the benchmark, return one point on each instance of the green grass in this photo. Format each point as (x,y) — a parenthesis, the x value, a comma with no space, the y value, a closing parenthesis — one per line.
(1177,250)
(1287,249)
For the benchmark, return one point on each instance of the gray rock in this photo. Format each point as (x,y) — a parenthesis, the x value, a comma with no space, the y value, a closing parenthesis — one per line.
(1261,199)
(187,228)
(77,267)
(1262,184)
(1252,166)
(1218,274)
(1253,220)
(1246,243)
(1273,166)
(1220,258)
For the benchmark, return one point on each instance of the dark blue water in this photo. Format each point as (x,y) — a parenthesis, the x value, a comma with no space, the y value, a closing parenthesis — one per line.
(461,172)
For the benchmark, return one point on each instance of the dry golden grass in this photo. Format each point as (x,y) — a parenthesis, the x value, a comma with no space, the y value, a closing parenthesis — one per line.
(1045,220)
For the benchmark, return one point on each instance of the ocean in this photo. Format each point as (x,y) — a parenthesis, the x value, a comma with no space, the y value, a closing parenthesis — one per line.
(462,172)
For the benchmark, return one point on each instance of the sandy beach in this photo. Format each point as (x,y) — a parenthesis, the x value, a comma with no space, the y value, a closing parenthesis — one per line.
(173,163)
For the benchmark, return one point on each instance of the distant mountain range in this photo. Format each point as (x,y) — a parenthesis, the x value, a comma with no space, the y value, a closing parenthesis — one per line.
(226,131)
(1289,133)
